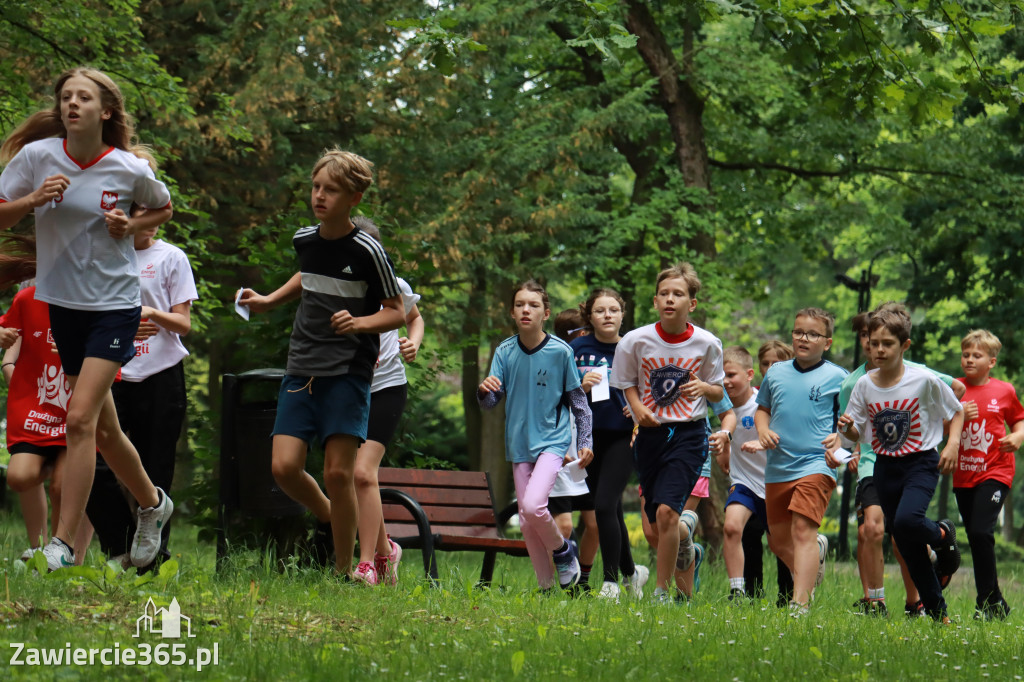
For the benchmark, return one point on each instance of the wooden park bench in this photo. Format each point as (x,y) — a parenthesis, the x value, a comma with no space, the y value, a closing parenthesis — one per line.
(450,511)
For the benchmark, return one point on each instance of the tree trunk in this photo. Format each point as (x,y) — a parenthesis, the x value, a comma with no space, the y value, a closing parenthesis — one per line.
(681,103)
(471,372)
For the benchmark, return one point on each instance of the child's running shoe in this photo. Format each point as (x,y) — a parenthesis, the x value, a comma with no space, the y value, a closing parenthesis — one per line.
(29,553)
(149,524)
(997,610)
(635,583)
(387,566)
(822,555)
(663,597)
(685,556)
(948,553)
(915,610)
(609,590)
(321,544)
(366,573)
(737,596)
(58,555)
(568,566)
(698,559)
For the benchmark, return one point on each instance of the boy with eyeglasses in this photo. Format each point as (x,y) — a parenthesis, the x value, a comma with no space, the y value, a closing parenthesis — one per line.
(798,409)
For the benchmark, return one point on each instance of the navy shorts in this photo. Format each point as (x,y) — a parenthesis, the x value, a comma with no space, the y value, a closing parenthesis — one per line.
(386,407)
(313,409)
(668,463)
(105,334)
(741,494)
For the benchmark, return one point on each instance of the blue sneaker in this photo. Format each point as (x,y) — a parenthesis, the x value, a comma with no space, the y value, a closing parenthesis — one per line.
(698,559)
(568,566)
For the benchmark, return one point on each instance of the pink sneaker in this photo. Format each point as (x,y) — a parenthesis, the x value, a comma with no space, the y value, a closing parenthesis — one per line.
(387,566)
(366,573)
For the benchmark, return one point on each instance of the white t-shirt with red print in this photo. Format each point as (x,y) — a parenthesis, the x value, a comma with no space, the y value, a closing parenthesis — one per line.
(904,418)
(166,279)
(37,398)
(980,455)
(658,364)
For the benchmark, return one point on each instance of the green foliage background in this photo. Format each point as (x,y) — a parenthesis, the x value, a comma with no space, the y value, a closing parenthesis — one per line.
(803,140)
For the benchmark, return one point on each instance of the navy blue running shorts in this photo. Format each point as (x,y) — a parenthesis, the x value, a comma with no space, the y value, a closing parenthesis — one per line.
(668,463)
(741,494)
(105,334)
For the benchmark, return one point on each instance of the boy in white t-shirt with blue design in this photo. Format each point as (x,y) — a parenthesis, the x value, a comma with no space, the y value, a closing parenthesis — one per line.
(669,371)
(902,410)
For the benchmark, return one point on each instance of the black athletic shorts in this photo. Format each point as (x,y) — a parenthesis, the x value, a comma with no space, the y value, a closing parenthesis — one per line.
(386,407)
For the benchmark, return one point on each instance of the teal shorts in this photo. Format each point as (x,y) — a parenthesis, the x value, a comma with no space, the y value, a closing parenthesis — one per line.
(315,408)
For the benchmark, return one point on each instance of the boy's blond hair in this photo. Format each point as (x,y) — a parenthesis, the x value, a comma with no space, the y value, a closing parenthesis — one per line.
(783,350)
(684,271)
(738,355)
(345,168)
(819,314)
(983,339)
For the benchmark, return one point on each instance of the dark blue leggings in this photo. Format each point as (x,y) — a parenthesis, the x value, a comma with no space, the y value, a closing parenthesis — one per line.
(905,487)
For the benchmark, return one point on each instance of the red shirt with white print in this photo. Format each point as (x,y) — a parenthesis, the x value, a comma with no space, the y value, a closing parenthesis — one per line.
(980,456)
(37,398)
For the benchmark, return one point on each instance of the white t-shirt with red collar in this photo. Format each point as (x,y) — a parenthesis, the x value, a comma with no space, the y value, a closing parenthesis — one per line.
(79,265)
(166,279)
(980,455)
(658,364)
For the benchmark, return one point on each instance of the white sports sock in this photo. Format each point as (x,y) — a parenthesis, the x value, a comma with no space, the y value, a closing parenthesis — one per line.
(738,584)
(876,594)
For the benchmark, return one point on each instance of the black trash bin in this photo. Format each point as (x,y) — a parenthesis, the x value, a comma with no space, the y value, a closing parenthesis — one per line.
(247,486)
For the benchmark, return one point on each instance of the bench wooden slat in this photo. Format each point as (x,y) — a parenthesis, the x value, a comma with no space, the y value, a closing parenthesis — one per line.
(473,534)
(392,478)
(468,516)
(446,496)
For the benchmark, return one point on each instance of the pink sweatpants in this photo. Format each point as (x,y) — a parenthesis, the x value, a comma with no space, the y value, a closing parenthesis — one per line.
(534,481)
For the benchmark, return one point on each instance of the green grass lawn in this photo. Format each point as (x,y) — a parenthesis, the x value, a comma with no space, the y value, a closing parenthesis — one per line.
(303,624)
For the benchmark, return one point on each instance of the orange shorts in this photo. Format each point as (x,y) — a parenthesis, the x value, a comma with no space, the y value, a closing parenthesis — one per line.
(808,496)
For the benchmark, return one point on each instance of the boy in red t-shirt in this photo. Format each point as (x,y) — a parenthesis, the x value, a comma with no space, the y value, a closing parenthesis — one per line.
(985,468)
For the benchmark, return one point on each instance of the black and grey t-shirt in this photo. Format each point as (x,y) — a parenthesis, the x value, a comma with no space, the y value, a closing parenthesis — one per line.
(352,273)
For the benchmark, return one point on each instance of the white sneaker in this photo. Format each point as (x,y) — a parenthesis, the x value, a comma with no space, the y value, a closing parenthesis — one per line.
(685,557)
(29,553)
(662,596)
(122,560)
(609,590)
(635,583)
(822,555)
(149,524)
(58,555)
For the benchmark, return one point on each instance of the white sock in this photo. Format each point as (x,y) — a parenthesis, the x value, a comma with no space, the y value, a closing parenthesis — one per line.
(876,594)
(738,584)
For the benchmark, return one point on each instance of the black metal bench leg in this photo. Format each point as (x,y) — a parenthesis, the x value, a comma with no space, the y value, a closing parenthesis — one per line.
(487,571)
